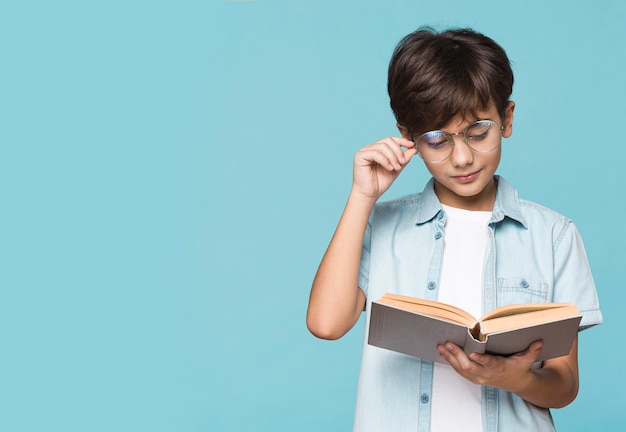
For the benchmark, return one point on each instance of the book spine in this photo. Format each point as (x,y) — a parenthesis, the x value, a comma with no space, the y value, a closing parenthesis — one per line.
(472,345)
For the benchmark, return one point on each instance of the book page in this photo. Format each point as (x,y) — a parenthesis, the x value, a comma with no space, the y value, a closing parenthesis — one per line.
(430,308)
(520,320)
(516,309)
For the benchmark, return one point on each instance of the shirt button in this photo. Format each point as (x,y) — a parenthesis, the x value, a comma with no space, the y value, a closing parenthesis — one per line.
(424,398)
(432,285)
(440,215)
(524,284)
(438,235)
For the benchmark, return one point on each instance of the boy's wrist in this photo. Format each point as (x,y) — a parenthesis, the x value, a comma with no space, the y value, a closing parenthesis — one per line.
(523,383)
(362,199)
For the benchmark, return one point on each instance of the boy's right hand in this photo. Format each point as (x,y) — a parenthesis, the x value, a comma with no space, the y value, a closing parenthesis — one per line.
(377,165)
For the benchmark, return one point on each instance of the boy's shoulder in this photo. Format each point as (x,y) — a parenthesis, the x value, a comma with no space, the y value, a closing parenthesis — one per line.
(525,211)
(543,222)
(414,208)
(404,207)
(405,200)
(531,206)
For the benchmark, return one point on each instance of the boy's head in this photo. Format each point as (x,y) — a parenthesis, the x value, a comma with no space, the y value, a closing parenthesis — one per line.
(434,77)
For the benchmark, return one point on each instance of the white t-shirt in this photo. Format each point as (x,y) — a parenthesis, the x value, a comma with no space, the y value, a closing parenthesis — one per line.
(456,403)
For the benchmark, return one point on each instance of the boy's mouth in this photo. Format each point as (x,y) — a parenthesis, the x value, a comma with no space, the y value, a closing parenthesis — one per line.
(466,178)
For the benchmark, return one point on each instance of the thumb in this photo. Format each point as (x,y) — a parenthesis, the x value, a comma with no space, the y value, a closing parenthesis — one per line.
(533,351)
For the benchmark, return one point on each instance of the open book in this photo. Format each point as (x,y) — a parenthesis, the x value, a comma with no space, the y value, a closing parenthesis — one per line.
(416,326)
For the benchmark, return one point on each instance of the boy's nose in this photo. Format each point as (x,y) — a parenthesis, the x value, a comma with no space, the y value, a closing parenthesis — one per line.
(462,155)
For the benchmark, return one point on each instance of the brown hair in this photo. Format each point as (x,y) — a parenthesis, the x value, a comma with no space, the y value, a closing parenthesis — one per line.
(435,76)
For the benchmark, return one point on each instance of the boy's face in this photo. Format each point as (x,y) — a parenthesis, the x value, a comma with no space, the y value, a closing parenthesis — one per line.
(465,180)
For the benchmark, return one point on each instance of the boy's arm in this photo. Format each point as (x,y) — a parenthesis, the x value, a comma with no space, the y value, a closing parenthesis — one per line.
(336,300)
(555,385)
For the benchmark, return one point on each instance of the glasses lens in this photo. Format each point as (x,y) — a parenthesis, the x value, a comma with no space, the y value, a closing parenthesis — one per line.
(482,135)
(434,146)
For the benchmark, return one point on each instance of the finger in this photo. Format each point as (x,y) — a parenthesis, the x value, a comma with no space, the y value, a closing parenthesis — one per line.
(391,151)
(395,141)
(454,355)
(482,359)
(409,153)
(402,147)
(533,351)
(374,155)
(409,149)
(446,355)
(403,142)
(536,345)
(391,148)
(463,361)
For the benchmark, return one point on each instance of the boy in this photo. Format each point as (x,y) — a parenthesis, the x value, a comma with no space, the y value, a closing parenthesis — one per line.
(467,239)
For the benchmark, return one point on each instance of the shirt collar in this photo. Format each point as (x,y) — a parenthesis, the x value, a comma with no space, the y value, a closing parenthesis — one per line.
(506,205)
(429,204)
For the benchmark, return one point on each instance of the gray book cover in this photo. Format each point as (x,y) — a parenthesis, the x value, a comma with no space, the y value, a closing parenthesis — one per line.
(418,335)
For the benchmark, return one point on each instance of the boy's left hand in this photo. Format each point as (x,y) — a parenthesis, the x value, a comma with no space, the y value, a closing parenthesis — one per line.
(510,373)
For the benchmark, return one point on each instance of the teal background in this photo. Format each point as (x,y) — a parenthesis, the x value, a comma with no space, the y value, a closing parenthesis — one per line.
(171,173)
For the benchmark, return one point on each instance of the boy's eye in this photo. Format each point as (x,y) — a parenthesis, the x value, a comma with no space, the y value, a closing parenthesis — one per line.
(435,140)
(478,131)
(477,137)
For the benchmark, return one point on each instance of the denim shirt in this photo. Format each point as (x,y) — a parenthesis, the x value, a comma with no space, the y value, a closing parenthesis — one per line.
(534,255)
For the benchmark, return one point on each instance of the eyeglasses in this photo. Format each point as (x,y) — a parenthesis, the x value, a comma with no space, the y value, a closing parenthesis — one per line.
(436,146)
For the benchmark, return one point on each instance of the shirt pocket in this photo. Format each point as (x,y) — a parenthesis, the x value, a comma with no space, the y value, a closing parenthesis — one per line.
(517,290)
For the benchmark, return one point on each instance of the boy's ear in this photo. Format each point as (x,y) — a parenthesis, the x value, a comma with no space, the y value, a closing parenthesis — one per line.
(507,121)
(403,131)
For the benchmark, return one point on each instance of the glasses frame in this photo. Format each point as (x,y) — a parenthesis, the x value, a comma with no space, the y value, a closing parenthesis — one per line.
(451,136)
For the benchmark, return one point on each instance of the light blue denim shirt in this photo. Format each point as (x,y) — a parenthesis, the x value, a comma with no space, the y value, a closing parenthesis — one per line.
(534,255)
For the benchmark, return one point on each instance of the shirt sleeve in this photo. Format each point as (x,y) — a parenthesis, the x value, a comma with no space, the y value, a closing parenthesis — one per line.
(364,269)
(573,281)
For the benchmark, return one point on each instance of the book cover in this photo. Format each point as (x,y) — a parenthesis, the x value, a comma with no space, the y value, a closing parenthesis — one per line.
(418,335)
